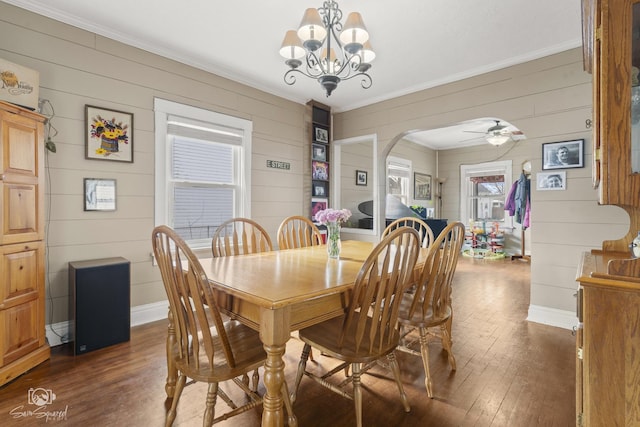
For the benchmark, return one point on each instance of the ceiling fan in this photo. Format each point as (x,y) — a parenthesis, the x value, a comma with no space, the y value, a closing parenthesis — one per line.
(497,134)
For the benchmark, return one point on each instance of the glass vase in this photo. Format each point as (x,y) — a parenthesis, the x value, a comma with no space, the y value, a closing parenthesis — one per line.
(333,239)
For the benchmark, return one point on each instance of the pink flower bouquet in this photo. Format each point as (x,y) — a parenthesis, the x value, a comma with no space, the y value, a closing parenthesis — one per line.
(333,215)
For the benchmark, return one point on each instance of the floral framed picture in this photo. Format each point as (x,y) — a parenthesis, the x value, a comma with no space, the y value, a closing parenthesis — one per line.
(563,155)
(421,186)
(108,134)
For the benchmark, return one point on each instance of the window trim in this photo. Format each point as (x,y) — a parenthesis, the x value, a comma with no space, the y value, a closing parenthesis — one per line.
(496,168)
(163,108)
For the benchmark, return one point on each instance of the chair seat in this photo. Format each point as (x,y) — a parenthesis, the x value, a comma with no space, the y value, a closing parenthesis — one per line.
(248,354)
(422,317)
(324,336)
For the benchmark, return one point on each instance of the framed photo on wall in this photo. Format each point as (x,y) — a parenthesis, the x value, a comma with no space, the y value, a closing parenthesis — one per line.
(320,134)
(320,170)
(317,205)
(361,177)
(563,155)
(551,181)
(99,194)
(108,134)
(319,152)
(320,189)
(421,186)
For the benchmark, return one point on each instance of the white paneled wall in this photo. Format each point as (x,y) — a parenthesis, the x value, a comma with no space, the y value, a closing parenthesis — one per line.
(78,67)
(550,100)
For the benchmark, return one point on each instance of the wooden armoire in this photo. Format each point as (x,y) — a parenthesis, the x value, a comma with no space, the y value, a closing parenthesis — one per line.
(23,343)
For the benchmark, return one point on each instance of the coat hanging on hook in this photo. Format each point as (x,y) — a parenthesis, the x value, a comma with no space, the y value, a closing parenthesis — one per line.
(519,200)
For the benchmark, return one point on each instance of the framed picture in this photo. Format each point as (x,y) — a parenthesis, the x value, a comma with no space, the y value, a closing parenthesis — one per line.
(551,181)
(108,134)
(361,177)
(320,189)
(317,205)
(320,170)
(563,155)
(99,194)
(319,152)
(320,134)
(421,186)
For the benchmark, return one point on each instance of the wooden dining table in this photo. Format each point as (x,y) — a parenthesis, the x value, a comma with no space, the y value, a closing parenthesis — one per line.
(279,292)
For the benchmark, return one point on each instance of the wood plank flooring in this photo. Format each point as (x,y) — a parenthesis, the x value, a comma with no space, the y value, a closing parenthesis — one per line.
(510,373)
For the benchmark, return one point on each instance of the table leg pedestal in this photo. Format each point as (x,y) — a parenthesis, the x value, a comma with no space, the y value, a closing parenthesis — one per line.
(274,333)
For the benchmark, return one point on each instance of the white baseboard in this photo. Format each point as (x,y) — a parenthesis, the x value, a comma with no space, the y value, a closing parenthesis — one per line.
(148,313)
(552,317)
(58,333)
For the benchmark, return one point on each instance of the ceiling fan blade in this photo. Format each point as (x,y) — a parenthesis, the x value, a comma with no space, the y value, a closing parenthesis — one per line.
(473,131)
(475,138)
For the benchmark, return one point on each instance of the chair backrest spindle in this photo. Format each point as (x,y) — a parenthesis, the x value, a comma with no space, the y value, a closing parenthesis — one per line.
(298,232)
(240,236)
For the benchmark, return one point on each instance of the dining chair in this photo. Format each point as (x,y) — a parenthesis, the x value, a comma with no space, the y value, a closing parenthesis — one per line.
(368,329)
(240,236)
(298,232)
(203,347)
(425,232)
(423,229)
(428,308)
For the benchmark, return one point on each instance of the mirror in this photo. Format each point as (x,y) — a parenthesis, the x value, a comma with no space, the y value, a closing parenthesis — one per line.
(354,180)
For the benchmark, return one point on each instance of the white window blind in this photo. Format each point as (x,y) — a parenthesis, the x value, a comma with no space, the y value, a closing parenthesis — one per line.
(202,170)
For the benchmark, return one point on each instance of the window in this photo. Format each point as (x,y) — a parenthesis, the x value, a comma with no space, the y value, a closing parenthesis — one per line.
(202,170)
(398,174)
(484,190)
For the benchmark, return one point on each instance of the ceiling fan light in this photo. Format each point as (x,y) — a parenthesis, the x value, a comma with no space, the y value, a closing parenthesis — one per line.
(497,139)
(311,30)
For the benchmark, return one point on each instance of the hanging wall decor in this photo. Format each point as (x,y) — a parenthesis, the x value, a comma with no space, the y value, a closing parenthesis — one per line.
(108,134)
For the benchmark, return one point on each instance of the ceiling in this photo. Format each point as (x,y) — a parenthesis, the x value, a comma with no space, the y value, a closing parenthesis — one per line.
(419,44)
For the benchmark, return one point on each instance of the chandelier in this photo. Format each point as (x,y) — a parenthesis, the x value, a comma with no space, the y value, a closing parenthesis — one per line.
(323,49)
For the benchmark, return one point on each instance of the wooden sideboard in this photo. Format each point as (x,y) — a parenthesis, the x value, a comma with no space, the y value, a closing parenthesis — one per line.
(22,298)
(608,345)
(608,333)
